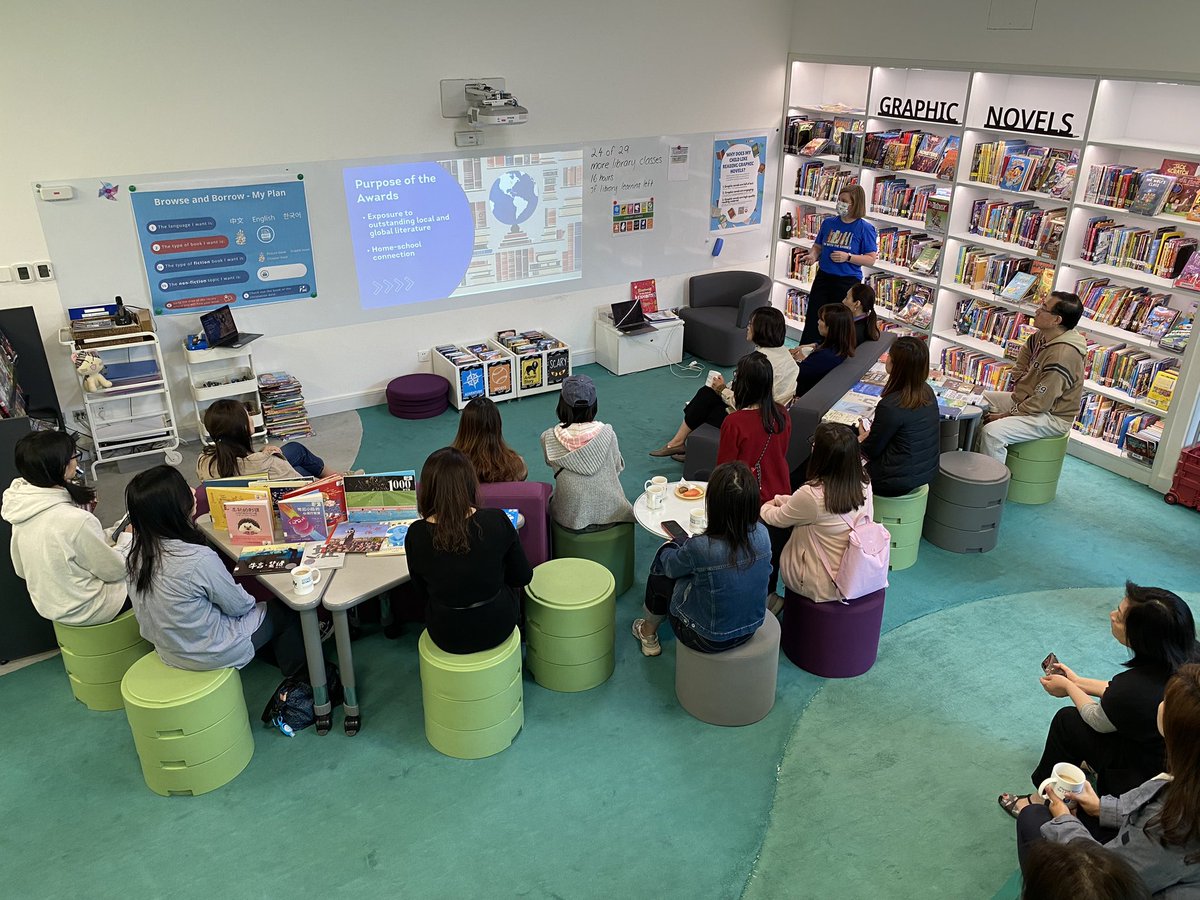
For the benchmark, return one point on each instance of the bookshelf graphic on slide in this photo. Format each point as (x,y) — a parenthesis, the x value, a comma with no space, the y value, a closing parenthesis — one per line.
(427,231)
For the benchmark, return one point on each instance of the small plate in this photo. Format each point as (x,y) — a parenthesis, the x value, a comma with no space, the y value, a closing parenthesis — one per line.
(689,493)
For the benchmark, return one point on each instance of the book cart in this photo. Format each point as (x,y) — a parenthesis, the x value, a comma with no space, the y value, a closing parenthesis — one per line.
(134,417)
(543,361)
(502,367)
(956,224)
(218,373)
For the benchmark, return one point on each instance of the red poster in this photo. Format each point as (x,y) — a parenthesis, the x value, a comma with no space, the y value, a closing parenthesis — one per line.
(644,293)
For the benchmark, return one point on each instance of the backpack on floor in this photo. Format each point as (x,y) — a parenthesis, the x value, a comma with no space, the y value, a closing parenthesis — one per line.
(292,703)
(864,566)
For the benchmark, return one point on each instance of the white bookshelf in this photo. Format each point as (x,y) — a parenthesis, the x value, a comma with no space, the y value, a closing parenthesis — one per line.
(1107,121)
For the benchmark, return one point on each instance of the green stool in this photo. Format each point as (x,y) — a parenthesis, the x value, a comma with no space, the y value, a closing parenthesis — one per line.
(570,618)
(612,548)
(474,702)
(96,657)
(191,729)
(1035,467)
(904,518)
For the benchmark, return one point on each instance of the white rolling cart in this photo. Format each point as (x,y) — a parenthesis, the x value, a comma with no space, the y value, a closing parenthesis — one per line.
(218,373)
(134,417)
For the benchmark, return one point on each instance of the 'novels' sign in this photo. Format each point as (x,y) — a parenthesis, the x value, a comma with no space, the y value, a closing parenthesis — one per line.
(1032,121)
(943,111)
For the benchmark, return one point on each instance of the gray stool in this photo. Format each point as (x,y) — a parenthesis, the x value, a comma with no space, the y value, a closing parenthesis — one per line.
(965,503)
(735,687)
(949,435)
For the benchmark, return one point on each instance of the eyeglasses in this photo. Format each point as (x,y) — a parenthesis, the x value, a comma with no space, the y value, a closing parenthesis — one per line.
(76,456)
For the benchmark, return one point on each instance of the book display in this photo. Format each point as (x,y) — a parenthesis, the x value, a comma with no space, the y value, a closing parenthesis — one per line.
(990,190)
(281,399)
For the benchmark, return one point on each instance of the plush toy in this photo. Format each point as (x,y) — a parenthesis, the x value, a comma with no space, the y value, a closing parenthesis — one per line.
(89,366)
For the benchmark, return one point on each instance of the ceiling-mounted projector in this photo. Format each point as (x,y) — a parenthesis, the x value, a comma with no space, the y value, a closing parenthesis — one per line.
(487,105)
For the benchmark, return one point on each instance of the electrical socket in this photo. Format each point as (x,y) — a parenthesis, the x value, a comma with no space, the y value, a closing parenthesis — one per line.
(422,356)
(79,416)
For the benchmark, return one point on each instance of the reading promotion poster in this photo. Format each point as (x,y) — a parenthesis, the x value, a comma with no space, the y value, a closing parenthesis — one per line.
(739,172)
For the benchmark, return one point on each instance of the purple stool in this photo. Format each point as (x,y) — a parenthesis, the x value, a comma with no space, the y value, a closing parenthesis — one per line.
(419,396)
(532,500)
(833,640)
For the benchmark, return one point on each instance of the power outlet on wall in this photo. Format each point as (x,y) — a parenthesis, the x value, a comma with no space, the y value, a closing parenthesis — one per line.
(79,416)
(422,356)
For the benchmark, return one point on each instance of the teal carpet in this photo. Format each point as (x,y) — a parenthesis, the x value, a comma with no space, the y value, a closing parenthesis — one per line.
(617,791)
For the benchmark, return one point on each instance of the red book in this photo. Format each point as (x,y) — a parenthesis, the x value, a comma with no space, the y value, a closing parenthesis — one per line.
(333,490)
(645,293)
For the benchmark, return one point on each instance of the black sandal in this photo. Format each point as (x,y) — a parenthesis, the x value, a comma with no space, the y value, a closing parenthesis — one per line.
(1010,806)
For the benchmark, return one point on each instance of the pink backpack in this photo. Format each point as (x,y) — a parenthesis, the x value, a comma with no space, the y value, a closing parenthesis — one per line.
(864,566)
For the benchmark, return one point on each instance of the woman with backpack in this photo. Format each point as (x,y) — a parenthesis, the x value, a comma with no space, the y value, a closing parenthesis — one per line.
(821,514)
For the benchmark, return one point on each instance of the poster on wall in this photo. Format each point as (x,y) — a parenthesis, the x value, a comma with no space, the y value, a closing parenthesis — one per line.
(632,215)
(739,172)
(241,245)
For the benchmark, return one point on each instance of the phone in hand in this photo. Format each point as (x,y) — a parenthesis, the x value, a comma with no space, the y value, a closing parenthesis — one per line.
(712,377)
(1050,665)
(675,531)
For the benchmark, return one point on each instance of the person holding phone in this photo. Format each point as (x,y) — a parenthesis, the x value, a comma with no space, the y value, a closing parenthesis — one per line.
(712,587)
(843,245)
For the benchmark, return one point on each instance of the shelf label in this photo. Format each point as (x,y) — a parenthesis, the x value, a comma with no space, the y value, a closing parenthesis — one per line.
(1050,122)
(925,110)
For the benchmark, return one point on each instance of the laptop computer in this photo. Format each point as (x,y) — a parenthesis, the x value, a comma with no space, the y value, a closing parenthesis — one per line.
(221,331)
(629,319)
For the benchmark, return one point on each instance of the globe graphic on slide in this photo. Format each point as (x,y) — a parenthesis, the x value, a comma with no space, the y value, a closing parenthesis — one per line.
(513,197)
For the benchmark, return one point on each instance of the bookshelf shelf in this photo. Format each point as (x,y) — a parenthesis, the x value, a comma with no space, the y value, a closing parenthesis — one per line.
(1102,453)
(1170,148)
(797,242)
(972,343)
(979,240)
(920,123)
(908,173)
(893,269)
(1153,281)
(811,201)
(832,113)
(1113,393)
(989,297)
(1033,137)
(902,222)
(888,316)
(1177,221)
(995,188)
(792,282)
(1119,334)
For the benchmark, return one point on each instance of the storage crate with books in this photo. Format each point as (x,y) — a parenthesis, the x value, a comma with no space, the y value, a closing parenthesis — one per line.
(543,361)
(281,399)
(478,368)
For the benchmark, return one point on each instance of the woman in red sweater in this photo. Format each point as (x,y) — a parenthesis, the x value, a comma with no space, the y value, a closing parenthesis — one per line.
(758,433)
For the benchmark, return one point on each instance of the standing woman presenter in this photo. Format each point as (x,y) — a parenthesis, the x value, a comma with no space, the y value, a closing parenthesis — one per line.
(845,243)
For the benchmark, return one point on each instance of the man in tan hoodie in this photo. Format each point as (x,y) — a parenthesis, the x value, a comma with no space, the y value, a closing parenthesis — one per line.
(1049,381)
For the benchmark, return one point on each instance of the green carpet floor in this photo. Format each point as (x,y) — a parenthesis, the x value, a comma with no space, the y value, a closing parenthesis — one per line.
(616,791)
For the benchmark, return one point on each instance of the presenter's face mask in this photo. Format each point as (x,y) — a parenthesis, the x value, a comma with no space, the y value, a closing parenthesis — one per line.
(843,209)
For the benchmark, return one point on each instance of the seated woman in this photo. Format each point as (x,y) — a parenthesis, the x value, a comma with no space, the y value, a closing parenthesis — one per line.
(73,574)
(186,602)
(480,439)
(860,300)
(231,453)
(1080,870)
(1117,734)
(713,586)
(1157,823)
(467,564)
(586,461)
(836,327)
(904,445)
(836,492)
(767,331)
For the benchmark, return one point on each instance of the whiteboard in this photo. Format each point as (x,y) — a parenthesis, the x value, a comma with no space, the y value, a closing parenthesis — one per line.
(94,244)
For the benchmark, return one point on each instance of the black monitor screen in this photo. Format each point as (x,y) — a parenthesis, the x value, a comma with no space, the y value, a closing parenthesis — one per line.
(218,326)
(626,313)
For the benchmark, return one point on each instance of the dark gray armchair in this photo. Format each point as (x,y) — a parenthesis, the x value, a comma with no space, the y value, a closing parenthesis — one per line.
(718,310)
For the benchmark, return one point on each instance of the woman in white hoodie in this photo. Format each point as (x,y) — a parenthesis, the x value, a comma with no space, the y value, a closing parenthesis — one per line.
(74,575)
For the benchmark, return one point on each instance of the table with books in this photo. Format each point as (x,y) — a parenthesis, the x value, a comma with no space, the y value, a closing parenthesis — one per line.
(956,399)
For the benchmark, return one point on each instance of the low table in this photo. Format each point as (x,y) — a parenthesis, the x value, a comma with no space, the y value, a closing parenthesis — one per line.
(622,354)
(673,508)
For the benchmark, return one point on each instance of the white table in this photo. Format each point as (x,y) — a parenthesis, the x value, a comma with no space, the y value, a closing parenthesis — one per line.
(673,508)
(625,353)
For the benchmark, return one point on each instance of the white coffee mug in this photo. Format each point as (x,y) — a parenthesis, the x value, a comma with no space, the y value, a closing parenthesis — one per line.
(655,496)
(698,519)
(1065,780)
(305,578)
(657,479)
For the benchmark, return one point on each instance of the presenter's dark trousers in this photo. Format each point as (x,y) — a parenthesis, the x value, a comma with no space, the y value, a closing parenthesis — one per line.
(706,408)
(826,289)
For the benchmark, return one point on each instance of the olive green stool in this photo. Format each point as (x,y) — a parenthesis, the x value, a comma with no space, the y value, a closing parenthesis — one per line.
(474,702)
(903,517)
(1035,467)
(191,729)
(96,657)
(570,624)
(612,548)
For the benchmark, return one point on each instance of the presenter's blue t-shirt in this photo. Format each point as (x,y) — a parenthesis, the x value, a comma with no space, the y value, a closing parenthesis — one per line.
(856,237)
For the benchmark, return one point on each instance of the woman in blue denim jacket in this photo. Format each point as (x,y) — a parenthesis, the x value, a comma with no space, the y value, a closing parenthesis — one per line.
(713,586)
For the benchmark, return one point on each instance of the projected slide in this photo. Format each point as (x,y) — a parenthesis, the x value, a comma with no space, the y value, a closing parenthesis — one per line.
(425,231)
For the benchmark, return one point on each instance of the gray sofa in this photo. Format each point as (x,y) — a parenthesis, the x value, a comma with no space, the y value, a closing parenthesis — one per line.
(805,413)
(718,310)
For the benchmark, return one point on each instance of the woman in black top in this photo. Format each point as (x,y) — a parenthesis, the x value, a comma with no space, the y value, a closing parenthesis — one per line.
(836,327)
(1118,734)
(860,300)
(467,564)
(903,446)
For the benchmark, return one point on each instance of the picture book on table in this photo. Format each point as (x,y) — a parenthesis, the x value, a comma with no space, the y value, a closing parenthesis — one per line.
(383,497)
(277,489)
(219,494)
(249,521)
(645,293)
(319,556)
(333,492)
(302,518)
(267,559)
(367,537)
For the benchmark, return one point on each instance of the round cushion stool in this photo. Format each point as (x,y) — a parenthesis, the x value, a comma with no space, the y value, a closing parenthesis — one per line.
(965,503)
(191,729)
(733,687)
(903,517)
(612,548)
(1035,467)
(474,702)
(833,640)
(570,624)
(97,656)
(418,396)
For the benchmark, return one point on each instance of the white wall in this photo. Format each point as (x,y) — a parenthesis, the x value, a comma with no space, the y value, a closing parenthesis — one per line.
(1087,36)
(134,86)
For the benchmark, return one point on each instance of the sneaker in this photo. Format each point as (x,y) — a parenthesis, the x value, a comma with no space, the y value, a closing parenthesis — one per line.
(650,645)
(667,450)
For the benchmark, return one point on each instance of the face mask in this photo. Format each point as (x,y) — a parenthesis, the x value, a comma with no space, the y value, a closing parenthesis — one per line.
(843,209)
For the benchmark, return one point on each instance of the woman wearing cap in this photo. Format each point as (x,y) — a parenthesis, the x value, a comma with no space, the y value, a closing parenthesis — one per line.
(586,461)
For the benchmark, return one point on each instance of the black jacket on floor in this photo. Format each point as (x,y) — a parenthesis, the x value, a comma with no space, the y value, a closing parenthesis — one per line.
(903,447)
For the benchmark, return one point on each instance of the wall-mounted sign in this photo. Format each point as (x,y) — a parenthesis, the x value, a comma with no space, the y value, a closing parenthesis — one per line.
(944,111)
(1032,121)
